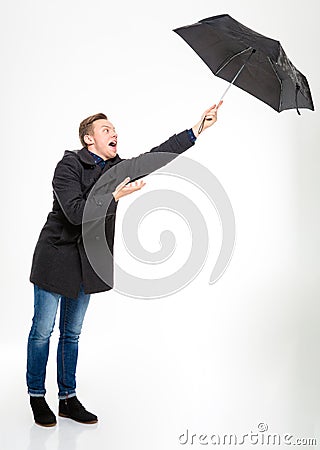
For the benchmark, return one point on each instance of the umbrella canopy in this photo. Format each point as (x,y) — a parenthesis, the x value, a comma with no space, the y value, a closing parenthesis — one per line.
(253,62)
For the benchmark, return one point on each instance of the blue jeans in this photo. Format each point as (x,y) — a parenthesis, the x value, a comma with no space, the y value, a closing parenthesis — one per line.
(72,313)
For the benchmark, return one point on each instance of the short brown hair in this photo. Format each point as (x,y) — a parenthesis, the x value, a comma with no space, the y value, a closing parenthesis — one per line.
(86,126)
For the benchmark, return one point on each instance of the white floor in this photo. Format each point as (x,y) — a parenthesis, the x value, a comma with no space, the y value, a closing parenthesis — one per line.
(128,413)
(222,363)
(124,419)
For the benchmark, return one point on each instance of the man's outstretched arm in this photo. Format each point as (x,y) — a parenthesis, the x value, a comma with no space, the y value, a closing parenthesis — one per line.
(140,166)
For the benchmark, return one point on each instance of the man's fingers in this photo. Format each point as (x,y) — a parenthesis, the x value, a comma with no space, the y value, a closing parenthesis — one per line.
(133,186)
(219,104)
(214,107)
(139,186)
(123,183)
(211,113)
(210,109)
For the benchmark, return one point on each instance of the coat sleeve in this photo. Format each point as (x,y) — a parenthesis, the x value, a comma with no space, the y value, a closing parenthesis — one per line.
(67,190)
(67,184)
(146,163)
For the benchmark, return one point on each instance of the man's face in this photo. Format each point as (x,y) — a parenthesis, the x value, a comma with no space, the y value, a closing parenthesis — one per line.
(103,139)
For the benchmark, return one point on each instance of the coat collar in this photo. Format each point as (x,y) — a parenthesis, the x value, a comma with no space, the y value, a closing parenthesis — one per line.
(87,158)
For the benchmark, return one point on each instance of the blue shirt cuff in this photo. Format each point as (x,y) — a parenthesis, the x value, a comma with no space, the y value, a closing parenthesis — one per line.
(191,136)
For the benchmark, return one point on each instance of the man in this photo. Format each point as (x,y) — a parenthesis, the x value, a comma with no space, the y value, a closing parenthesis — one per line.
(60,268)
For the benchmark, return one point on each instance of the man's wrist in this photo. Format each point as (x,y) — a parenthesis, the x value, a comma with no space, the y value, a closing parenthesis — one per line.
(195,129)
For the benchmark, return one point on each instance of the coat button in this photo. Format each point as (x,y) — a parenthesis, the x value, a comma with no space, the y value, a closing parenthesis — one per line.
(97,238)
(100,202)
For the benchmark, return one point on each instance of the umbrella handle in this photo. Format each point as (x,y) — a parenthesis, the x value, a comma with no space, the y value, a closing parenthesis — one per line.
(202,123)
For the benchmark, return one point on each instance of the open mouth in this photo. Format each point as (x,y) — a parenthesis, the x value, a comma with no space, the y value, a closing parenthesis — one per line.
(112,144)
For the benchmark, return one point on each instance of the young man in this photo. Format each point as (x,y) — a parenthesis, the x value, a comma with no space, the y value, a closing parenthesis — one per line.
(60,268)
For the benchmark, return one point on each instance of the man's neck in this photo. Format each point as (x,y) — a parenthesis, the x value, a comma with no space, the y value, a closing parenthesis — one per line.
(97,153)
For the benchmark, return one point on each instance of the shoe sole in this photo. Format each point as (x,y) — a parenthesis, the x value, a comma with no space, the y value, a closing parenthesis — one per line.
(65,416)
(47,425)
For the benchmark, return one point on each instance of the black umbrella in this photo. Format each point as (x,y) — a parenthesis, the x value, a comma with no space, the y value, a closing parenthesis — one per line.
(251,61)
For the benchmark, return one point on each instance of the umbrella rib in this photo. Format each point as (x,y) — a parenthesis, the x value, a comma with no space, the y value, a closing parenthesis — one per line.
(237,74)
(280,82)
(232,57)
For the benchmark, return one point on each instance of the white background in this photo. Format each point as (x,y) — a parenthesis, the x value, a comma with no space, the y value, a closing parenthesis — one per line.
(210,359)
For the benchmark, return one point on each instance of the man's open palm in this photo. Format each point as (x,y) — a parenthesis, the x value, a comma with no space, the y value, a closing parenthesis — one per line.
(125,188)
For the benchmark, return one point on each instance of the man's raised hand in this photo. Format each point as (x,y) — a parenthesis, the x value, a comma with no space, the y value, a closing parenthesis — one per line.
(208,118)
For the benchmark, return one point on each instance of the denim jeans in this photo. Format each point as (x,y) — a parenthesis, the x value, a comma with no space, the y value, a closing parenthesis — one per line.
(72,313)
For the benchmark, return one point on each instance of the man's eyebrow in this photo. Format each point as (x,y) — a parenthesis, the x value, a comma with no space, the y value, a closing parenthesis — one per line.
(107,126)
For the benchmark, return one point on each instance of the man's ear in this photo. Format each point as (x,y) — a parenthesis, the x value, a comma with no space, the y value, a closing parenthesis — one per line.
(88,139)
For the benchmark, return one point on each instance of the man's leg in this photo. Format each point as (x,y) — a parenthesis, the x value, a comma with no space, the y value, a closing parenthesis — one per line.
(45,310)
(72,314)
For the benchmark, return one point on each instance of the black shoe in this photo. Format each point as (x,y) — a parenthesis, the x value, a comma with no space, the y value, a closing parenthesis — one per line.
(73,409)
(41,412)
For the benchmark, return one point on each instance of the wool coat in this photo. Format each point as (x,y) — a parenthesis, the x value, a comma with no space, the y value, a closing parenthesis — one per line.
(60,263)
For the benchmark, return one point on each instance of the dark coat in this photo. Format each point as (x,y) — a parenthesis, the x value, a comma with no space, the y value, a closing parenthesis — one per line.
(60,263)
